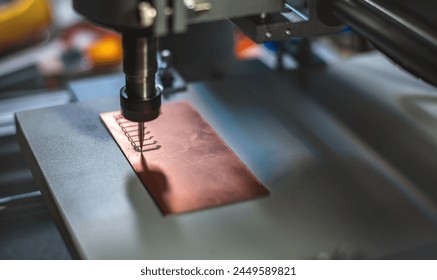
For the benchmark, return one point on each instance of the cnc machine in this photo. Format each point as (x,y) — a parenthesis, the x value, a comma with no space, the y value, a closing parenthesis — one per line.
(346,149)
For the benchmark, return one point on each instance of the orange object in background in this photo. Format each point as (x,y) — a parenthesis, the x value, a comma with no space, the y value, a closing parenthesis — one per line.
(20,20)
(102,47)
(244,47)
(106,51)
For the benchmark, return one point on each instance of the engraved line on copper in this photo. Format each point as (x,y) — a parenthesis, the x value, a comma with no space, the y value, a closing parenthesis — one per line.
(145,139)
(146,146)
(131,131)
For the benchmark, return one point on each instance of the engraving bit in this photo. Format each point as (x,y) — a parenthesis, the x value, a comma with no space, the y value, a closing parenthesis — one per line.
(141,134)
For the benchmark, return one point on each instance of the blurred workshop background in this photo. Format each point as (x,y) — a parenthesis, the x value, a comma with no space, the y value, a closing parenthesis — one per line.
(43,45)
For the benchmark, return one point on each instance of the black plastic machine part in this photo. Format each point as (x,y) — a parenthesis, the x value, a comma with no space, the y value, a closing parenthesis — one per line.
(404,30)
(140,99)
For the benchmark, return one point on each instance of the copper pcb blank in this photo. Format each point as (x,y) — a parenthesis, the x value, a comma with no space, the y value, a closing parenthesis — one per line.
(187,166)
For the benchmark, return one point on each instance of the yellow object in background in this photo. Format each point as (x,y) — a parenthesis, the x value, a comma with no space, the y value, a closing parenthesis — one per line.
(106,51)
(21,20)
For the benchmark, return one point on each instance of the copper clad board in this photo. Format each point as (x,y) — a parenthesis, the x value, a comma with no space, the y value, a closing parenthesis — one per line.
(186,165)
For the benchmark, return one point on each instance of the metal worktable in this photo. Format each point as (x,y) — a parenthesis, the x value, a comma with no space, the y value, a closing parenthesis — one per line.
(347,152)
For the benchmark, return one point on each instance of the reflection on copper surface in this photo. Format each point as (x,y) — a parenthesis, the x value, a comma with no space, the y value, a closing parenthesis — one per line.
(193,168)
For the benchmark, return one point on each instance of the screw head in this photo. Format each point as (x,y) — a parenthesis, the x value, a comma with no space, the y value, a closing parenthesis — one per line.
(147,13)
(166,57)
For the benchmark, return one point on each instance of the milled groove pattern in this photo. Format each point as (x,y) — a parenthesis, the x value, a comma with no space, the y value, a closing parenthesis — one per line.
(129,127)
